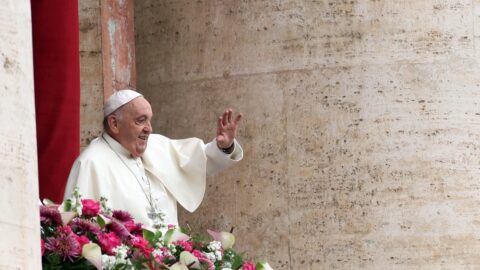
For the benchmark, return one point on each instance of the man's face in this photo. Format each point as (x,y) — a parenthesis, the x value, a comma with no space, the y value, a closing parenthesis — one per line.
(134,127)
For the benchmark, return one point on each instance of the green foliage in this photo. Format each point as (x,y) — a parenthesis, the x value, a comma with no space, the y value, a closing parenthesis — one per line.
(55,262)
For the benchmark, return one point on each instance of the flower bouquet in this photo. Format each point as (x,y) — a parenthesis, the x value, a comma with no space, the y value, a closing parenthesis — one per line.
(86,234)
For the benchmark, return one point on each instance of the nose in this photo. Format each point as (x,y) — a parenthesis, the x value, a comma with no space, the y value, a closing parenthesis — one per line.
(148,127)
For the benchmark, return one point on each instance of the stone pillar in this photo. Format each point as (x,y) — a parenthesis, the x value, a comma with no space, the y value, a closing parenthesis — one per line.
(19,218)
(361,129)
(118,45)
(107,58)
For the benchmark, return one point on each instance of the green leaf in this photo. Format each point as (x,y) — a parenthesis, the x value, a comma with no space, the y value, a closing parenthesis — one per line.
(168,236)
(237,261)
(105,219)
(101,221)
(149,236)
(158,235)
(67,205)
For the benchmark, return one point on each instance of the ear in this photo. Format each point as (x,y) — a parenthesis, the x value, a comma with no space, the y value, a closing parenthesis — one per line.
(113,124)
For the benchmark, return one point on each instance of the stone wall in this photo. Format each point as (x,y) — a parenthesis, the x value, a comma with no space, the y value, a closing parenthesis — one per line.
(91,70)
(20,233)
(107,58)
(361,129)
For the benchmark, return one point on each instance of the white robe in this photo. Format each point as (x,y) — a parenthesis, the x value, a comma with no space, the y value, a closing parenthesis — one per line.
(175,169)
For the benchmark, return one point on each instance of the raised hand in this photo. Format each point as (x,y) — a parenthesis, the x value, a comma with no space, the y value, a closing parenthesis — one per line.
(227,128)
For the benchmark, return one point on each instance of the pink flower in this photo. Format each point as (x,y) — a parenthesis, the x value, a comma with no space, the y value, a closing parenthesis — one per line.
(248,266)
(65,245)
(119,229)
(64,230)
(171,226)
(42,246)
(185,245)
(82,226)
(90,208)
(203,259)
(129,225)
(143,245)
(122,215)
(137,230)
(49,215)
(108,242)
(163,253)
(82,240)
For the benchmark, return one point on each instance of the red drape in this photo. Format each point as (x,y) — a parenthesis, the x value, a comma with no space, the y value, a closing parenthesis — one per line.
(57,91)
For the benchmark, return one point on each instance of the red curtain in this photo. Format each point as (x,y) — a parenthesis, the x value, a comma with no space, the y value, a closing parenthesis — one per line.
(57,91)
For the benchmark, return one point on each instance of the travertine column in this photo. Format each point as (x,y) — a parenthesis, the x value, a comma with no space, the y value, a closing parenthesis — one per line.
(19,218)
(361,129)
(107,58)
(118,45)
(91,70)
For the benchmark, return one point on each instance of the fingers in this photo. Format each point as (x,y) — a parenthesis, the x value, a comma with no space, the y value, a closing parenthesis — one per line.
(229,113)
(238,118)
(219,125)
(227,118)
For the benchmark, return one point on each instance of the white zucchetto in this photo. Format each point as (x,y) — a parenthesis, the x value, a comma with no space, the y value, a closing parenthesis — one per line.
(118,99)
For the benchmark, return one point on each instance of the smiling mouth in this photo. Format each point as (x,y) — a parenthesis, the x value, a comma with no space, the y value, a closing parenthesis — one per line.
(143,137)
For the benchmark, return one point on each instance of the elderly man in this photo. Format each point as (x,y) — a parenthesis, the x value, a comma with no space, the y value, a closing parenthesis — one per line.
(147,174)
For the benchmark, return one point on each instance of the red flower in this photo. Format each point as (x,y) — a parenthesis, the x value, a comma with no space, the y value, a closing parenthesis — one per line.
(248,266)
(119,229)
(64,230)
(82,240)
(90,208)
(143,245)
(122,215)
(135,230)
(185,245)
(50,215)
(108,242)
(130,225)
(203,259)
(64,245)
(83,226)
(42,246)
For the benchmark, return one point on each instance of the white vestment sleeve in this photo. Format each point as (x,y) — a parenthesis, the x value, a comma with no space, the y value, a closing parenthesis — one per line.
(217,160)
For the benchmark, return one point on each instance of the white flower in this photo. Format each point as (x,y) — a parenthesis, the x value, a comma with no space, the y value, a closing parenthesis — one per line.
(162,252)
(78,209)
(218,254)
(157,252)
(172,248)
(214,246)
(211,256)
(121,253)
(160,244)
(108,262)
